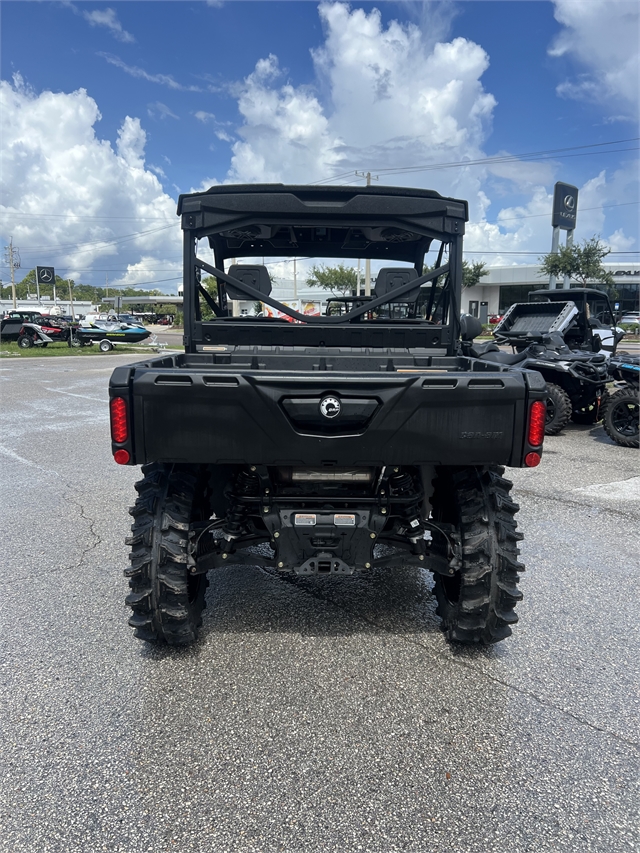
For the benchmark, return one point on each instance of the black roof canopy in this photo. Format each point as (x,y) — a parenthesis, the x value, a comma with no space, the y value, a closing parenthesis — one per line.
(251,220)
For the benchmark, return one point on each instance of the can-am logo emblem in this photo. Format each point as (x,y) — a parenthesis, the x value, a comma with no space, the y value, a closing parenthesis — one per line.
(570,202)
(330,407)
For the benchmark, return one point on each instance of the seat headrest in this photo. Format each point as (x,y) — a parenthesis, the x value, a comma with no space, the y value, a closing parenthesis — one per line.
(391,277)
(256,276)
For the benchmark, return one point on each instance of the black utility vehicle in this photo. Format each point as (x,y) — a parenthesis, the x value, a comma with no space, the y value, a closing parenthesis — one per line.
(576,378)
(331,445)
(593,327)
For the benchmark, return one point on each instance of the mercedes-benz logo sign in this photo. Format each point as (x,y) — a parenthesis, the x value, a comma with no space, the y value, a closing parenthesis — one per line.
(45,275)
(330,407)
(570,202)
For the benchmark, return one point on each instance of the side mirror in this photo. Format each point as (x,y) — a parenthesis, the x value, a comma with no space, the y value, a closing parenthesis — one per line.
(470,327)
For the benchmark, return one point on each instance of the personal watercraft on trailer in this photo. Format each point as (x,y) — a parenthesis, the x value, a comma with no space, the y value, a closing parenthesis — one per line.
(107,334)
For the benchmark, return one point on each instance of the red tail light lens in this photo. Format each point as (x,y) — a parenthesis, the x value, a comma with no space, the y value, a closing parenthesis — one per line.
(530,460)
(121,456)
(119,425)
(537,418)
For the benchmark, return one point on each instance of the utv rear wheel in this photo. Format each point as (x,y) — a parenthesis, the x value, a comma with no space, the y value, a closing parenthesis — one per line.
(621,417)
(558,409)
(476,604)
(167,599)
(25,341)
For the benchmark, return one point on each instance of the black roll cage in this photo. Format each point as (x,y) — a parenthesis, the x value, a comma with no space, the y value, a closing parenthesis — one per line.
(226,214)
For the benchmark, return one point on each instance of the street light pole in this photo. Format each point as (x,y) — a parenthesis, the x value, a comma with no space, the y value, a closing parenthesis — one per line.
(367,263)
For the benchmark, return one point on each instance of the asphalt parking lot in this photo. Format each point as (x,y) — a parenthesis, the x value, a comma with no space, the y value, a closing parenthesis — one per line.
(312,716)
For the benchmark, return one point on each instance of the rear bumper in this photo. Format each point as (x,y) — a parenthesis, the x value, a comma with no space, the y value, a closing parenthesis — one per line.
(241,417)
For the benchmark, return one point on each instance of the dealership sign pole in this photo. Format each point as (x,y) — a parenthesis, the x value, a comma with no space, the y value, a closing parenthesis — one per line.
(565,209)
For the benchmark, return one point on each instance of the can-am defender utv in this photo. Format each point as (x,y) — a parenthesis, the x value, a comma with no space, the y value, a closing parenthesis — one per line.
(339,444)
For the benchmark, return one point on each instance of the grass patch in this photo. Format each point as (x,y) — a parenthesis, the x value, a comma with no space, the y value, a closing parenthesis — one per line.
(10,349)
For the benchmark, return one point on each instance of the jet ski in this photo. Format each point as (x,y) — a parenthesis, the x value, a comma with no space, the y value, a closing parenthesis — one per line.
(111,332)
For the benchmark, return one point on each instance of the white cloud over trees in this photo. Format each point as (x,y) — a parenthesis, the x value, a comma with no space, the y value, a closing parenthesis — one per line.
(74,201)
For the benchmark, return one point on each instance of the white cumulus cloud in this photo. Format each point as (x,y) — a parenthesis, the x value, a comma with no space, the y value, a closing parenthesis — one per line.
(70,200)
(603,36)
(392,98)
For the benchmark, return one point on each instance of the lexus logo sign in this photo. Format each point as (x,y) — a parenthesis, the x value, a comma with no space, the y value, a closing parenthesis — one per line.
(565,206)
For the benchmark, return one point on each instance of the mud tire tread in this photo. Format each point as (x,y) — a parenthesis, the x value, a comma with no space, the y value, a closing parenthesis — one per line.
(166,599)
(481,610)
(627,394)
(561,403)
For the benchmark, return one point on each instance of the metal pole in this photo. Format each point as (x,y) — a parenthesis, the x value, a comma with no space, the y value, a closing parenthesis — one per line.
(367,263)
(13,276)
(295,279)
(73,313)
(566,284)
(555,245)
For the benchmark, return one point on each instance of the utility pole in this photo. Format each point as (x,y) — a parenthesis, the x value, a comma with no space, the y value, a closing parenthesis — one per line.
(73,313)
(367,263)
(12,257)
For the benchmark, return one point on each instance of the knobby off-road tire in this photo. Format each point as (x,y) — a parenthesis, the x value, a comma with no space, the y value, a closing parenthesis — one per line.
(558,409)
(476,604)
(166,598)
(621,417)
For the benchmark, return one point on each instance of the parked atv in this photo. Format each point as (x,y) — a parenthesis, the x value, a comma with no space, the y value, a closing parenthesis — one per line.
(592,327)
(620,410)
(576,379)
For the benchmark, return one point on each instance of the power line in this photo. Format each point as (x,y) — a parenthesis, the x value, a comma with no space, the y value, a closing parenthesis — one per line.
(545,154)
(113,242)
(82,217)
(538,215)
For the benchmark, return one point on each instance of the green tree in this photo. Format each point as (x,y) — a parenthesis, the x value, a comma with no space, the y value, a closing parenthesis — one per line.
(340,280)
(210,284)
(82,292)
(581,262)
(472,273)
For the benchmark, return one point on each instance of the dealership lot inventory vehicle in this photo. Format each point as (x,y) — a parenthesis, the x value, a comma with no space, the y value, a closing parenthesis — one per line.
(332,444)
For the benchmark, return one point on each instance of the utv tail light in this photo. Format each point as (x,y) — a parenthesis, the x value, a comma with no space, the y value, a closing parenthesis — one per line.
(530,460)
(537,418)
(119,424)
(122,456)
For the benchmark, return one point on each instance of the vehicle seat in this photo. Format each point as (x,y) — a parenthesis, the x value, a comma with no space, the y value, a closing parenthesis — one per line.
(391,277)
(478,350)
(256,276)
(501,357)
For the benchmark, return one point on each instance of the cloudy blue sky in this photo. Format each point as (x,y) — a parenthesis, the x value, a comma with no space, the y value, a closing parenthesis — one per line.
(111,109)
